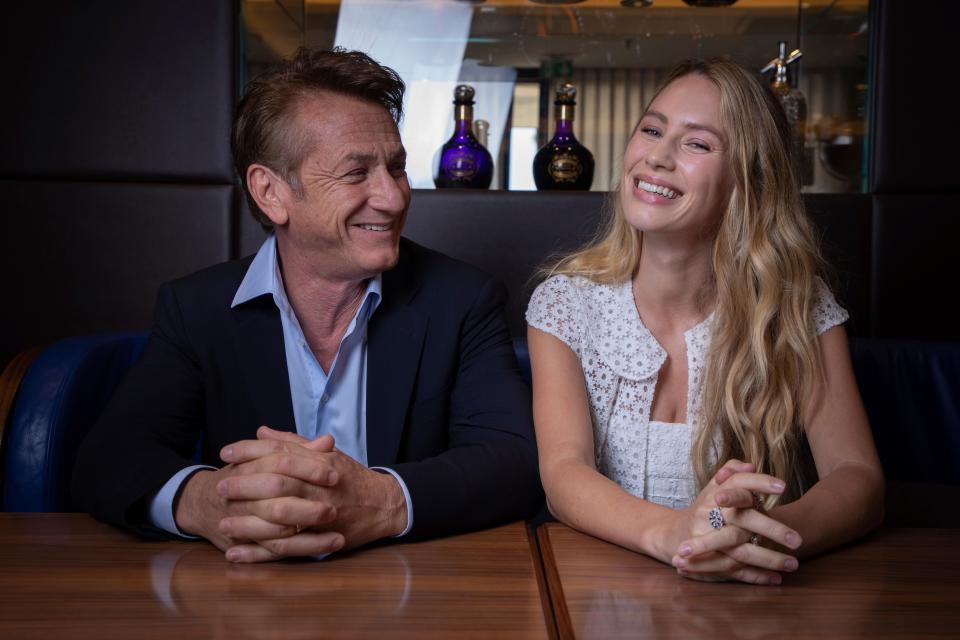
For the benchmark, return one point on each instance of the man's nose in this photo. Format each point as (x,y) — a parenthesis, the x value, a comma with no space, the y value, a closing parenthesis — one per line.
(389,193)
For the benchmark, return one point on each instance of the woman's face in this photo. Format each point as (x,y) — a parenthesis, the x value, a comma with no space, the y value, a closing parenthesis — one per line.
(676,176)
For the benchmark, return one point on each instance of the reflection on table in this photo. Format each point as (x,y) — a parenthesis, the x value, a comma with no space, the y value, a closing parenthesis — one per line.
(902,583)
(65,574)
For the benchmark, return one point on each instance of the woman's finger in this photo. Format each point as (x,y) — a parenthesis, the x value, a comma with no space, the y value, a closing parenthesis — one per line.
(756,556)
(757,482)
(750,575)
(732,467)
(736,498)
(716,540)
(762,524)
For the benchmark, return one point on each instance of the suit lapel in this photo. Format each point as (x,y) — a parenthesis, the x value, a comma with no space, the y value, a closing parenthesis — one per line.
(394,343)
(258,339)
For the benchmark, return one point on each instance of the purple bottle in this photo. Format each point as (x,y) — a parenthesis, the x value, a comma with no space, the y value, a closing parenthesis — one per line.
(464,162)
(564,163)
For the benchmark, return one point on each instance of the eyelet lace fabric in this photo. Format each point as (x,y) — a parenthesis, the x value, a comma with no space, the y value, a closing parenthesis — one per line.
(621,360)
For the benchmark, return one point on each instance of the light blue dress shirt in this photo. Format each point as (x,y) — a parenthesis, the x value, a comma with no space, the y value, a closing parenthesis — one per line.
(334,402)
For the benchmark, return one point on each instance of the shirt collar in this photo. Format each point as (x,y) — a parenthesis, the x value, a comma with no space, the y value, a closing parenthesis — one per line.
(263,278)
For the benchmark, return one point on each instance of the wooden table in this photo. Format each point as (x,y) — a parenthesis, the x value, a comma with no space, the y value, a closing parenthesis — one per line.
(67,576)
(900,583)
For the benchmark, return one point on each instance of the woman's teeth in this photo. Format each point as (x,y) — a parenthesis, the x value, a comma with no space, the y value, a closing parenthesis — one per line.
(660,191)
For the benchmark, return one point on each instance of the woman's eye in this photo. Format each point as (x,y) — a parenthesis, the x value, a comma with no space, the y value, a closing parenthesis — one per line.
(699,146)
(650,131)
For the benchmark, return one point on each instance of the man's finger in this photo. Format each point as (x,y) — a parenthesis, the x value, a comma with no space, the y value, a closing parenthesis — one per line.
(315,470)
(293,511)
(303,544)
(252,528)
(324,443)
(260,486)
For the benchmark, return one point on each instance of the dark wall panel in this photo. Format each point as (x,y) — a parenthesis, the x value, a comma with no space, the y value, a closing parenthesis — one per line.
(843,225)
(128,90)
(915,268)
(912,85)
(507,234)
(86,258)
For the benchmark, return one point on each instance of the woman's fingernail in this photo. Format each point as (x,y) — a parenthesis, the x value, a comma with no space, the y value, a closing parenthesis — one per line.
(679,563)
(227,453)
(793,539)
(233,555)
(685,550)
(791,564)
(776,579)
(778,485)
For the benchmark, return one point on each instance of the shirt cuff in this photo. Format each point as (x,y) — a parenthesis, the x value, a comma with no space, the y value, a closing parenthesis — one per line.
(161,506)
(406,497)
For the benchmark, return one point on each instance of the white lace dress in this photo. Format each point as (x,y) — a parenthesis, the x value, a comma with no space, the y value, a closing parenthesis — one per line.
(621,360)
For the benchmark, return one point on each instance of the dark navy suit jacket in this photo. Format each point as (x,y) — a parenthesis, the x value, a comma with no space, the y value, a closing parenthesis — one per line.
(447,408)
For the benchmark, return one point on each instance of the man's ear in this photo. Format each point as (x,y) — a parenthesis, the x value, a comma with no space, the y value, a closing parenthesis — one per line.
(270,192)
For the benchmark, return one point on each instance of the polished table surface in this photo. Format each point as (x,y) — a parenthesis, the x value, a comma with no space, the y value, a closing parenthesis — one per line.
(899,583)
(68,576)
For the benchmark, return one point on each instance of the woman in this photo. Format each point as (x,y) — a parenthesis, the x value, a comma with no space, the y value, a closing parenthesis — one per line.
(683,361)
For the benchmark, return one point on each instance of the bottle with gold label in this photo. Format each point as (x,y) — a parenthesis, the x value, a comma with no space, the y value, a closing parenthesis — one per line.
(464,162)
(794,104)
(563,163)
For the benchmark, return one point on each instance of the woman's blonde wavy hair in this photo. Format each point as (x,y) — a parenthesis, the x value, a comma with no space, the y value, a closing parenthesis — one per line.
(764,357)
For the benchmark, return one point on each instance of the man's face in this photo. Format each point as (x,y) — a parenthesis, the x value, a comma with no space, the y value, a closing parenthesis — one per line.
(346,225)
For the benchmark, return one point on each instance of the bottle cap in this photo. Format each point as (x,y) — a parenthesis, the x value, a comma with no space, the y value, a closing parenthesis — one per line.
(566,94)
(463,94)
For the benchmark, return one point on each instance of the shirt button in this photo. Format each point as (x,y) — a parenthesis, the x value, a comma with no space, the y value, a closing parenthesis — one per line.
(325,398)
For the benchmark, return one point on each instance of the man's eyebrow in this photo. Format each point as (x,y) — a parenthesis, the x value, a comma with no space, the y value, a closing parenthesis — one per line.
(687,125)
(368,158)
(358,156)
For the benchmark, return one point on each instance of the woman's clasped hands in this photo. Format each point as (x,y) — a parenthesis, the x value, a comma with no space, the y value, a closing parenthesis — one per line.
(732,537)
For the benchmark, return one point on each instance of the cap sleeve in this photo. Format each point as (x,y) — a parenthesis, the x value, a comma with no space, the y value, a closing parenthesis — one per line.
(555,308)
(826,312)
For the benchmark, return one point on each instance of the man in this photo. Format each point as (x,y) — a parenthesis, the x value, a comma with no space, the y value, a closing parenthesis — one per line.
(391,363)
